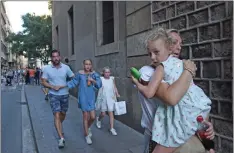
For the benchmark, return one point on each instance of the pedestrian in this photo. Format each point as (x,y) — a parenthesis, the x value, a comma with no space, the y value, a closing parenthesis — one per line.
(193,103)
(54,75)
(31,72)
(37,76)
(18,75)
(106,99)
(27,81)
(67,63)
(44,89)
(87,81)
(9,77)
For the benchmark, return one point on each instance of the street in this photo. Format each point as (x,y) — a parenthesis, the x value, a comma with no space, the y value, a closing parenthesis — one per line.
(11,119)
(17,129)
(103,142)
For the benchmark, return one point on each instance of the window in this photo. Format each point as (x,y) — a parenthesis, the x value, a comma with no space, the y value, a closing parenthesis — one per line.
(108,22)
(4,48)
(57,35)
(3,20)
(3,34)
(71,30)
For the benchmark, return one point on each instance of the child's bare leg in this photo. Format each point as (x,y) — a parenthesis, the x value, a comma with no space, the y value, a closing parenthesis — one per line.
(85,123)
(102,114)
(161,149)
(111,115)
(91,118)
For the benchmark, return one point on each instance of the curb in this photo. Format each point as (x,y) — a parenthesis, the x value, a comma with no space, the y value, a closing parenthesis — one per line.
(34,147)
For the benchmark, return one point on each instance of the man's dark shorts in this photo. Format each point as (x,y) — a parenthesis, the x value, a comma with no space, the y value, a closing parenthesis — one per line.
(59,103)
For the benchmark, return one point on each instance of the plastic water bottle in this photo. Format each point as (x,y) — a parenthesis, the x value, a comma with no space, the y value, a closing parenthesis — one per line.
(201,127)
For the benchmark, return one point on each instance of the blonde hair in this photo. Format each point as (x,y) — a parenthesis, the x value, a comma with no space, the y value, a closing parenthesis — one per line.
(160,33)
(172,30)
(104,69)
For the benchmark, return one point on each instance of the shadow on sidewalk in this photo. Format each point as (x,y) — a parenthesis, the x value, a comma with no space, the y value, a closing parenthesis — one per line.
(127,141)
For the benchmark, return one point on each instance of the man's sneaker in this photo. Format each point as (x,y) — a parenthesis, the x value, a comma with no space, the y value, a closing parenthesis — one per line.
(88,140)
(113,131)
(61,143)
(98,123)
(89,132)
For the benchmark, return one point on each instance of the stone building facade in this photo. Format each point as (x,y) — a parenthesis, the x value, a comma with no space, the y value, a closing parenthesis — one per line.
(3,32)
(8,59)
(112,34)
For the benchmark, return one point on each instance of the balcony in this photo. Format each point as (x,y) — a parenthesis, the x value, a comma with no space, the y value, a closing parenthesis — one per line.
(4,44)
(4,27)
(3,55)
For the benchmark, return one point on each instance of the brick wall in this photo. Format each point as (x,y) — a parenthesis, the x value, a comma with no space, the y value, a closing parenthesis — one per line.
(206,30)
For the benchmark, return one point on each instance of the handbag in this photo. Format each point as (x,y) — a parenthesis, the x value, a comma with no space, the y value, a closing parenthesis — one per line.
(120,108)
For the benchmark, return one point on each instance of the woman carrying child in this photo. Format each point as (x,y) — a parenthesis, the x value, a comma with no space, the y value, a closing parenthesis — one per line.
(106,99)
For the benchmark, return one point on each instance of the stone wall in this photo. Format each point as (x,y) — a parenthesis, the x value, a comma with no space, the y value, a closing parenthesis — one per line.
(206,30)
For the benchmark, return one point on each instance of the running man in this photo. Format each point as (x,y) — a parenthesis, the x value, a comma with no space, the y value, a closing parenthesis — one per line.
(56,75)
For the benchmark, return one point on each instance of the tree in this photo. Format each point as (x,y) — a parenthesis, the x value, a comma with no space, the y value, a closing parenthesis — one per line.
(50,5)
(16,41)
(35,39)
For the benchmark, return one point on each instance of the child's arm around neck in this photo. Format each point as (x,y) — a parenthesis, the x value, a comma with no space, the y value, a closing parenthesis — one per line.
(150,90)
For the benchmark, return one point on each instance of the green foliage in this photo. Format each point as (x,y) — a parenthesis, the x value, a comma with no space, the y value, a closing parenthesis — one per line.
(50,5)
(35,39)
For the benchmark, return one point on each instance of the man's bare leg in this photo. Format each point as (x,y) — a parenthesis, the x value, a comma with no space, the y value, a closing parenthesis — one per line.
(62,118)
(58,124)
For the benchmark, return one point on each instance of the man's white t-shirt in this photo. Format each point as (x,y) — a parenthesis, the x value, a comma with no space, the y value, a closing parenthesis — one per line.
(149,107)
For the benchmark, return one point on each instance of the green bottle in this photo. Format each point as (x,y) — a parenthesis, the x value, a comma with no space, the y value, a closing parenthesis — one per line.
(135,73)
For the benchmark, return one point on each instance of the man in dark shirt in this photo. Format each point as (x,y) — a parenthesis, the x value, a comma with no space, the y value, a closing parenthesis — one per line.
(37,76)
(67,63)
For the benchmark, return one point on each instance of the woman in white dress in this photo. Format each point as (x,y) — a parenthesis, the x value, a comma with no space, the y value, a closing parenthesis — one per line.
(106,99)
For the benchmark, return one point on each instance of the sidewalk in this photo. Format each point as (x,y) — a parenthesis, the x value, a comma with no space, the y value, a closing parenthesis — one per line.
(127,141)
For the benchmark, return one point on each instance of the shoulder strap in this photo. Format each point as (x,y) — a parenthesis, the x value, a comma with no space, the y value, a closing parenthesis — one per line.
(81,71)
